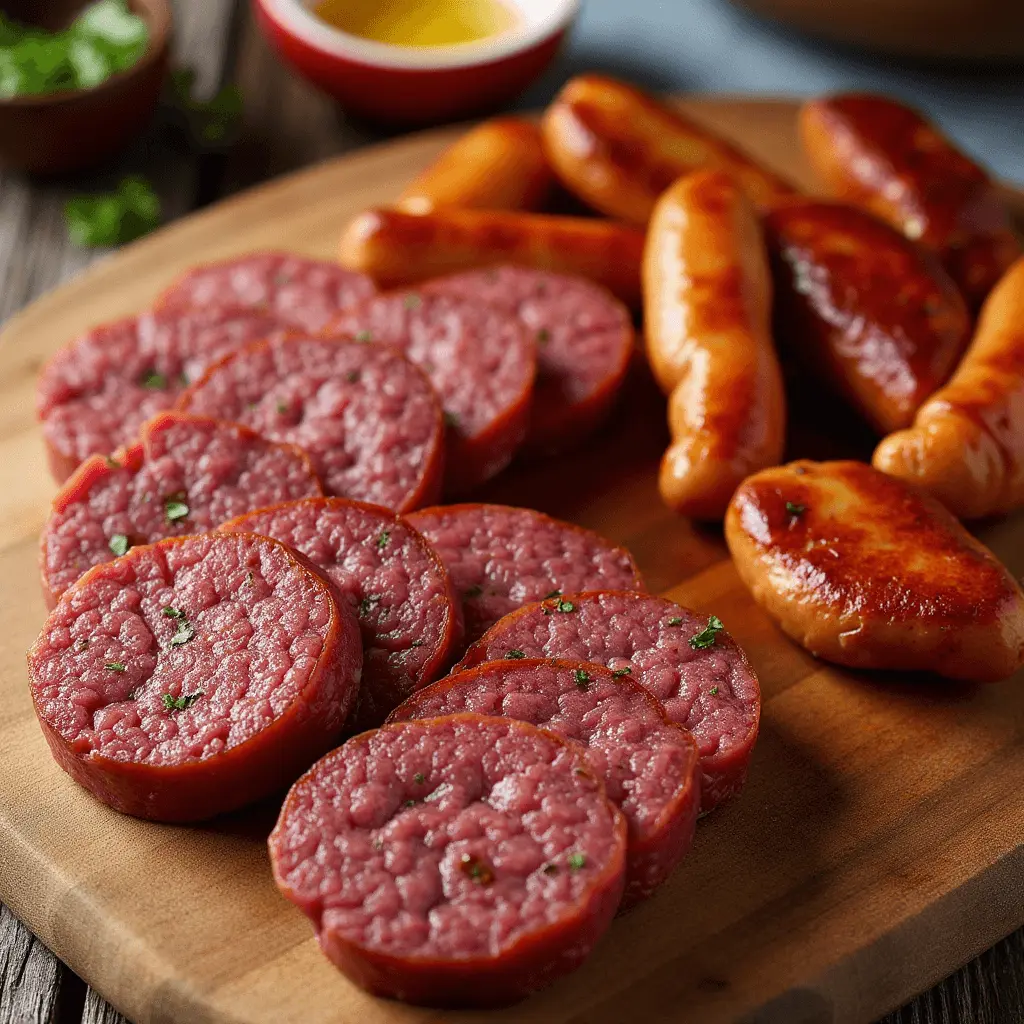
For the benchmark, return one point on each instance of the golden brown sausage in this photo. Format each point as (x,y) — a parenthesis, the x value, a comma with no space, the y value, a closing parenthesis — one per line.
(707,311)
(882,155)
(499,165)
(865,571)
(874,315)
(966,446)
(397,248)
(619,149)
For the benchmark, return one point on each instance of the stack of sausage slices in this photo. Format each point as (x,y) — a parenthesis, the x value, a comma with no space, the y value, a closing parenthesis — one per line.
(247,563)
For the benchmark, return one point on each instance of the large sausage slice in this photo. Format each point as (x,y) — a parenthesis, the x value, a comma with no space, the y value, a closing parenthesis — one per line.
(880,154)
(707,323)
(194,676)
(647,763)
(966,445)
(618,149)
(501,558)
(458,861)
(690,664)
(368,418)
(869,311)
(864,571)
(403,597)
(187,474)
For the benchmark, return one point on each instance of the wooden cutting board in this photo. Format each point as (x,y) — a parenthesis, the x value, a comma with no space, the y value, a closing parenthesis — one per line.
(877,846)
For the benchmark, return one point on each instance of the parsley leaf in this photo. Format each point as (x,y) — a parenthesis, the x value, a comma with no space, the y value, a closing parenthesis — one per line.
(364,337)
(115,666)
(382,540)
(413,301)
(451,420)
(182,703)
(565,606)
(582,679)
(175,509)
(419,778)
(796,511)
(706,637)
(577,861)
(119,544)
(675,621)
(154,380)
(210,122)
(713,691)
(113,218)
(514,655)
(620,672)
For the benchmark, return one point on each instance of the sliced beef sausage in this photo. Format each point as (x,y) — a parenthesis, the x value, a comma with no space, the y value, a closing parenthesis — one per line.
(402,594)
(300,292)
(458,861)
(689,663)
(96,392)
(187,474)
(368,418)
(194,676)
(648,764)
(584,338)
(481,362)
(502,557)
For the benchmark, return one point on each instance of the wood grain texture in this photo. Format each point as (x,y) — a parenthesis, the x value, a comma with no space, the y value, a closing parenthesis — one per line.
(877,846)
(30,975)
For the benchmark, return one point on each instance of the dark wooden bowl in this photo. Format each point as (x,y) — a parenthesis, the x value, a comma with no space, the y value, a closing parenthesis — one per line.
(69,131)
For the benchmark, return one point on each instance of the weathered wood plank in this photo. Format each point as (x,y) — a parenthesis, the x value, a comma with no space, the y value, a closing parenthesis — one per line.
(98,1011)
(30,975)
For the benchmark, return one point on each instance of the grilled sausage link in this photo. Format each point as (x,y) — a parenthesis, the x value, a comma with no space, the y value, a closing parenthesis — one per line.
(618,149)
(707,305)
(966,446)
(880,154)
(499,165)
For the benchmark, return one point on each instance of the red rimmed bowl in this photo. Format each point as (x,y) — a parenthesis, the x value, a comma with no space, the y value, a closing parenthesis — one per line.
(416,84)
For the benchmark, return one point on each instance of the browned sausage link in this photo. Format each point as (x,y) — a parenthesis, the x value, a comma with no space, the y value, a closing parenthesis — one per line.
(707,307)
(882,155)
(966,446)
(499,165)
(619,149)
(868,310)
(397,248)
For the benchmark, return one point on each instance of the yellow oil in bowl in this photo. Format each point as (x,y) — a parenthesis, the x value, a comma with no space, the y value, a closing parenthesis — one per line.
(419,22)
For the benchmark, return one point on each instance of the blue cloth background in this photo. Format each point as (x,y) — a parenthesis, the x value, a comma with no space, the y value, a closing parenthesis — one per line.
(711,46)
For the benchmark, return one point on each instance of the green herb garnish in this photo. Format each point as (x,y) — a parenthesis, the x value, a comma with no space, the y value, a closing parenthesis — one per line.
(477,869)
(382,540)
(113,218)
(565,606)
(474,591)
(418,643)
(706,637)
(175,509)
(182,703)
(419,778)
(713,691)
(173,613)
(620,672)
(184,634)
(282,407)
(451,420)
(514,655)
(363,337)
(367,603)
(796,511)
(154,380)
(82,644)
(576,861)
(119,544)
(210,122)
(353,376)
(675,621)
(115,666)
(582,679)
(412,301)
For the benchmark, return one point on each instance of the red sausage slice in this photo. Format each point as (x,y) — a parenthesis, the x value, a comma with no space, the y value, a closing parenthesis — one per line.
(481,362)
(399,588)
(501,558)
(460,861)
(368,418)
(648,764)
(300,292)
(188,474)
(699,673)
(96,392)
(194,676)
(584,338)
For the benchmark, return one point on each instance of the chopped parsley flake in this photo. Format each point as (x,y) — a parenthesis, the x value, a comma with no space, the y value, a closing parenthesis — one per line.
(382,540)
(182,703)
(675,621)
(577,861)
(282,407)
(364,336)
(419,778)
(119,544)
(451,420)
(514,655)
(582,678)
(477,869)
(713,691)
(175,509)
(565,606)
(706,637)
(352,376)
(410,803)
(796,511)
(620,672)
(418,643)
(367,603)
(115,666)
(184,634)
(82,644)
(173,613)
(413,301)
(250,576)
(154,380)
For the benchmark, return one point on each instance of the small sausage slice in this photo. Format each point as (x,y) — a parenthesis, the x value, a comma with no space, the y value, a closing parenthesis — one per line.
(398,248)
(618,149)
(480,361)
(188,474)
(584,338)
(707,312)
(876,316)
(401,593)
(458,861)
(966,446)
(690,664)
(501,558)
(194,676)
(298,292)
(499,165)
(647,763)
(880,154)
(368,418)
(864,571)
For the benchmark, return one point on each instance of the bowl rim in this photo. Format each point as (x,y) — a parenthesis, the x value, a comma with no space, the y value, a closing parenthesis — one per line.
(158,16)
(295,19)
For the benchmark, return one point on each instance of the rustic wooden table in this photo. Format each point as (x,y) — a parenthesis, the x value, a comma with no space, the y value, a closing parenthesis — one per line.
(286,125)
